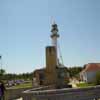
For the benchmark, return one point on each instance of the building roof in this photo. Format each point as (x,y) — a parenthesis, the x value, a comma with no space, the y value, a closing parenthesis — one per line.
(39,71)
(92,67)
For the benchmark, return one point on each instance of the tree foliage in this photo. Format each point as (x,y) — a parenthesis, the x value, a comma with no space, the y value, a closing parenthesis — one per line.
(2,72)
(97,81)
(73,71)
(10,76)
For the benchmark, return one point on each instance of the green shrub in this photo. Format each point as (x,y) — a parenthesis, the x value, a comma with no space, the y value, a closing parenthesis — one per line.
(97,80)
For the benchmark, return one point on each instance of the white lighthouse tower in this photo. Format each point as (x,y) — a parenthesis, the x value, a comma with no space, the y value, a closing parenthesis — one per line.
(54,37)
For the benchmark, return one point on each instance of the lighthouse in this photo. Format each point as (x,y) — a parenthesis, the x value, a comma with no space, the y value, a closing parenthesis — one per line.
(51,58)
(54,73)
(54,37)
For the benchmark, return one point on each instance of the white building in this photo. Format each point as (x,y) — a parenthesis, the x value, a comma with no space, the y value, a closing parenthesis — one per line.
(89,72)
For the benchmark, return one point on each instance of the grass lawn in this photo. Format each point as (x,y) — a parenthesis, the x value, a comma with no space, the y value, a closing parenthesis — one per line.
(16,90)
(24,85)
(83,85)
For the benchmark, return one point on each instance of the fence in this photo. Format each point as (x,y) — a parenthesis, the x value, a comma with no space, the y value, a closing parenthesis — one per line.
(90,93)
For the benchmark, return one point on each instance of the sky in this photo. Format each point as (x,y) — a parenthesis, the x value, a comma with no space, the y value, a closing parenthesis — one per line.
(25,27)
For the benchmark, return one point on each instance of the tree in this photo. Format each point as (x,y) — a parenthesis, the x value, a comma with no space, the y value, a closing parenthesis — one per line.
(97,80)
(73,71)
(2,72)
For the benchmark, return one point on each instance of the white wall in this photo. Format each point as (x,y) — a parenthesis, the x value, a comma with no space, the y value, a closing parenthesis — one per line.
(89,76)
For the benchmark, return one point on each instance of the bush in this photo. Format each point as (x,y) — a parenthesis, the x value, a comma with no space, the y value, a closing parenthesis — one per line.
(97,80)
